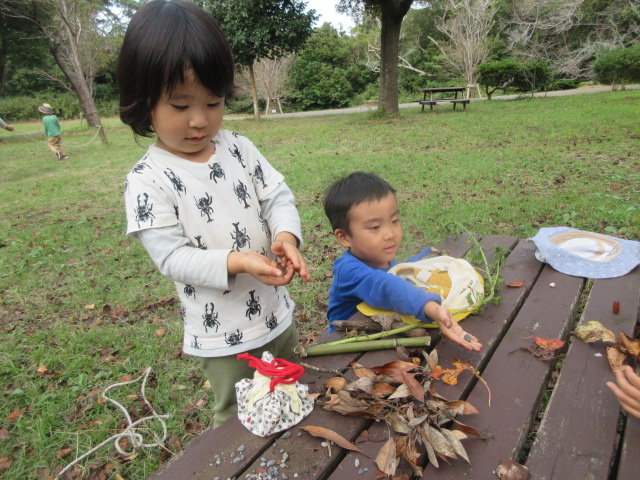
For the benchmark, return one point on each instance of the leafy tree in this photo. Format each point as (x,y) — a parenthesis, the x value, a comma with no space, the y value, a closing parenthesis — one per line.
(259,29)
(326,72)
(498,75)
(618,67)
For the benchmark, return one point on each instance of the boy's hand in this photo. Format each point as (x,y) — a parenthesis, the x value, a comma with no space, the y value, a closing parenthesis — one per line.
(450,328)
(259,267)
(627,391)
(285,248)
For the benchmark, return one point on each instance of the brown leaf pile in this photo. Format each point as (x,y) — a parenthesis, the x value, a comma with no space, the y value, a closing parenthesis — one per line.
(403,395)
(617,350)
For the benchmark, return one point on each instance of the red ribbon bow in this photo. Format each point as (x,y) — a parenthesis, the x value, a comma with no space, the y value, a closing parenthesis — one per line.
(281,371)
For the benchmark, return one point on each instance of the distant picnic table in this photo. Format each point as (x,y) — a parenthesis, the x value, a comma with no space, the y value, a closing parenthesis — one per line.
(455,100)
(558,419)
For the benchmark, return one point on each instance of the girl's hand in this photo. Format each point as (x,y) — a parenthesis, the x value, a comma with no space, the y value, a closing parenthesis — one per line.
(290,257)
(450,328)
(627,391)
(260,267)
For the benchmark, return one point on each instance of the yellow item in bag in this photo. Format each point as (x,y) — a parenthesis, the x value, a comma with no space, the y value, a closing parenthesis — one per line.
(454,279)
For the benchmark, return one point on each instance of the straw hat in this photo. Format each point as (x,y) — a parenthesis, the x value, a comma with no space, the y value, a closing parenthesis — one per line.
(586,254)
(46,109)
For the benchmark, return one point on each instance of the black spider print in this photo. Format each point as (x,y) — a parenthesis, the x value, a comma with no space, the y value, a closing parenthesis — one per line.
(254,306)
(277,291)
(241,192)
(263,222)
(210,317)
(216,172)
(264,252)
(177,211)
(238,154)
(199,244)
(195,344)
(226,292)
(259,174)
(183,311)
(140,166)
(175,180)
(240,237)
(271,322)
(286,301)
(235,134)
(189,290)
(204,205)
(233,338)
(144,209)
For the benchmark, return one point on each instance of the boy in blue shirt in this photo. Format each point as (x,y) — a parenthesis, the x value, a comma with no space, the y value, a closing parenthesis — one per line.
(363,211)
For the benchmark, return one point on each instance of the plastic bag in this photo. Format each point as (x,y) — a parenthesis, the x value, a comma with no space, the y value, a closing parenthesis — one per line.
(273,400)
(454,279)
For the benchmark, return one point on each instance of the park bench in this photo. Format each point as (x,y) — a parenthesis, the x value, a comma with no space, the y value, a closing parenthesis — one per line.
(556,417)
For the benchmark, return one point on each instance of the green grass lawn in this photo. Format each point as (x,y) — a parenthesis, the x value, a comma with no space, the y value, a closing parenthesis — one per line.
(82,307)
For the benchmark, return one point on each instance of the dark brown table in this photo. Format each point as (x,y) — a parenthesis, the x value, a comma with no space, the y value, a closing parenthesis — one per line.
(431,102)
(556,417)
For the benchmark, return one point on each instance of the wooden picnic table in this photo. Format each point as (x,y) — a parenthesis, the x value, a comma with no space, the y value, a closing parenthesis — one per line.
(556,417)
(431,102)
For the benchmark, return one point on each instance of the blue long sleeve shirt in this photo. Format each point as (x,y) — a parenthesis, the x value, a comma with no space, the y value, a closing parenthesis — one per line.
(354,281)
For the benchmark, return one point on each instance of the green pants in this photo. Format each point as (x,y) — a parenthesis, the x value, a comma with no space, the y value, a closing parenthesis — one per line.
(224,372)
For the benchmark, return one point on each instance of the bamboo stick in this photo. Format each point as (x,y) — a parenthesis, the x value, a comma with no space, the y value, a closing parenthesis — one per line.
(367,346)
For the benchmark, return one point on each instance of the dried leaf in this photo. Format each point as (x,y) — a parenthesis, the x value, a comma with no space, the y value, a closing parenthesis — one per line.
(398,423)
(331,436)
(361,371)
(364,384)
(343,403)
(439,442)
(431,454)
(382,389)
(549,344)
(406,447)
(159,333)
(42,369)
(395,369)
(401,392)
(510,470)
(462,407)
(616,359)
(466,428)
(514,284)
(414,386)
(386,459)
(5,463)
(335,384)
(594,331)
(455,444)
(630,345)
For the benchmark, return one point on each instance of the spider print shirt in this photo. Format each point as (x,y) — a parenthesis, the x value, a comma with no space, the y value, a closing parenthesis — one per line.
(164,190)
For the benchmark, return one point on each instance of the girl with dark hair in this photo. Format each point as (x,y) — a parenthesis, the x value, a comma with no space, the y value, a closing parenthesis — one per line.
(212,213)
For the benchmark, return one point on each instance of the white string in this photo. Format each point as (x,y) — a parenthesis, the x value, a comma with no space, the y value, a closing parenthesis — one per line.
(135,438)
(66,145)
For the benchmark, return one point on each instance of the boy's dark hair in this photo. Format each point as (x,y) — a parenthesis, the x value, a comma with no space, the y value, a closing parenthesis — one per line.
(351,190)
(163,41)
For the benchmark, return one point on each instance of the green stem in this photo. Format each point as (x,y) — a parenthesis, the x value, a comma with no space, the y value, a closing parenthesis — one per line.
(373,336)
(367,346)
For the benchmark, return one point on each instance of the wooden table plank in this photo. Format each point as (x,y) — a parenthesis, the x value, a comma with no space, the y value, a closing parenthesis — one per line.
(630,458)
(516,378)
(576,438)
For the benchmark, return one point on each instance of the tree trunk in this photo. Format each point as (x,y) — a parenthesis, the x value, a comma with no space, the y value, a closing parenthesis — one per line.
(393,11)
(81,90)
(254,93)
